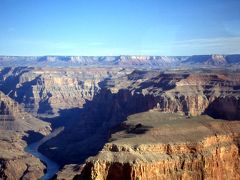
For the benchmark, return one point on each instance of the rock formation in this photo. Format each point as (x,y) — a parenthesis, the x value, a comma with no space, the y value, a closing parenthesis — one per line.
(46,91)
(156,145)
(189,94)
(16,125)
(14,162)
(197,61)
(98,100)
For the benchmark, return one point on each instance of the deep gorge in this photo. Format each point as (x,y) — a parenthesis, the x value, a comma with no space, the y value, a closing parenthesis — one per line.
(95,106)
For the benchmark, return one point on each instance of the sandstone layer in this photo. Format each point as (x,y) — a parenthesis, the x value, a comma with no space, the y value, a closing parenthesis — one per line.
(46,91)
(188,93)
(98,100)
(14,162)
(156,145)
(17,128)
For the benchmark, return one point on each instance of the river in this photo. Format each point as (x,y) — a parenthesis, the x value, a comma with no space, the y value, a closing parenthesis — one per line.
(52,167)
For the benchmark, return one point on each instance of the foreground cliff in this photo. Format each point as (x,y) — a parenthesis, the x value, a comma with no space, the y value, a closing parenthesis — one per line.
(15,163)
(156,145)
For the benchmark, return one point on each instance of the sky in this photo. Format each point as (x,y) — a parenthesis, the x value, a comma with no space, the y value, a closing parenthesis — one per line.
(119,27)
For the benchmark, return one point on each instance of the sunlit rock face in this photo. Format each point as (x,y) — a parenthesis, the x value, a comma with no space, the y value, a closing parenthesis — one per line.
(156,145)
(45,91)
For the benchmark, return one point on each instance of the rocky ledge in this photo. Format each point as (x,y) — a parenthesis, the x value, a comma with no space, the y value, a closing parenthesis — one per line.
(15,163)
(18,127)
(157,145)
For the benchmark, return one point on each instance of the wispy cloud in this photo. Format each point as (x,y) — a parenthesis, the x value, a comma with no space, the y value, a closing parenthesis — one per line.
(222,45)
(222,41)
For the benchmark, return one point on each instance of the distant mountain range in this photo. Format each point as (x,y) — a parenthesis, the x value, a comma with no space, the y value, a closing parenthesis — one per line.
(123,61)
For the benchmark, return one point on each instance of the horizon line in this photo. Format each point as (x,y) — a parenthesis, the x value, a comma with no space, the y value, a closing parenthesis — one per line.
(119,55)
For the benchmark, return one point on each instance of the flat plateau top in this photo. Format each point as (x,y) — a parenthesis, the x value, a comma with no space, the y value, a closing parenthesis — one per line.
(158,127)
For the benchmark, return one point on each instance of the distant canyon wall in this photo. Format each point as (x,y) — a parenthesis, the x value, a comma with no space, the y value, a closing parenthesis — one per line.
(46,91)
(137,61)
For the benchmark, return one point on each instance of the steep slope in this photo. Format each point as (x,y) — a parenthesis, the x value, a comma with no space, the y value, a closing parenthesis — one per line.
(155,145)
(105,97)
(14,162)
(14,118)
(16,125)
(187,93)
(46,91)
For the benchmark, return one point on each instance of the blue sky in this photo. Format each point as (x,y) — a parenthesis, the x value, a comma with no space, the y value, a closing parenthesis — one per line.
(119,27)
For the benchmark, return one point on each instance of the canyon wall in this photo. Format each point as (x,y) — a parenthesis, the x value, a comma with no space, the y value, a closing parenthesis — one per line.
(168,152)
(15,163)
(136,61)
(46,91)
(184,93)
(104,98)
(16,127)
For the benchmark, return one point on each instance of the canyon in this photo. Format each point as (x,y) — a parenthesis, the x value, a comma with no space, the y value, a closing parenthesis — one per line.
(128,120)
(156,145)
(17,127)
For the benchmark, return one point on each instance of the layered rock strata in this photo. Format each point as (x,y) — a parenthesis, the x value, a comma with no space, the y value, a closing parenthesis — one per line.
(16,125)
(156,145)
(46,91)
(186,93)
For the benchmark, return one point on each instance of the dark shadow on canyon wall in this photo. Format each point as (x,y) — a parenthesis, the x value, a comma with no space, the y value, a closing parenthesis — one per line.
(90,127)
(8,84)
(32,137)
(227,108)
(65,117)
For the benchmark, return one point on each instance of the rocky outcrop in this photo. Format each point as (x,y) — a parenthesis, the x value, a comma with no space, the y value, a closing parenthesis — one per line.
(225,107)
(184,93)
(168,149)
(212,60)
(188,93)
(104,98)
(46,91)
(16,125)
(15,163)
(13,117)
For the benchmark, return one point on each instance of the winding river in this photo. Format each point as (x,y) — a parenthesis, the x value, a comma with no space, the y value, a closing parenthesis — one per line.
(52,167)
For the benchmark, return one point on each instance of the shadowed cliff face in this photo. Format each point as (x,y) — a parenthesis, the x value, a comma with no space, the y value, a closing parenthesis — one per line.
(92,103)
(225,108)
(93,127)
(172,146)
(140,91)
(46,91)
